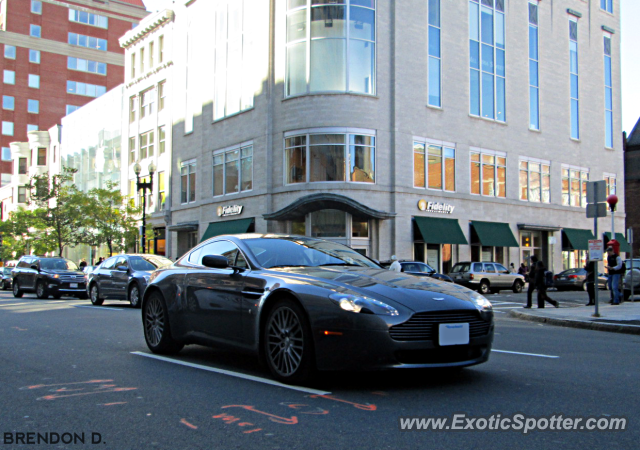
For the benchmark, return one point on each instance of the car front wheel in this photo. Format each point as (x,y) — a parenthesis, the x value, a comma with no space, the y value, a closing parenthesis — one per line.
(41,290)
(134,295)
(517,286)
(157,331)
(95,295)
(16,289)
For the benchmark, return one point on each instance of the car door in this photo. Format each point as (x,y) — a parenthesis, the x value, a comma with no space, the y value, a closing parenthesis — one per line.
(214,296)
(491,274)
(506,278)
(120,278)
(103,277)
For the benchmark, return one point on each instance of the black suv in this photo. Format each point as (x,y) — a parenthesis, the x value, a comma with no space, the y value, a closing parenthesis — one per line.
(48,276)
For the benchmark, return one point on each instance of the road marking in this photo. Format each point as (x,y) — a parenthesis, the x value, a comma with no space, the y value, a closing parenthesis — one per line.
(233,374)
(97,307)
(509,307)
(526,354)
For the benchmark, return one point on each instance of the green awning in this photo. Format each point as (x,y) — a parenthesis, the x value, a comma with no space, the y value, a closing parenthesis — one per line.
(227,227)
(578,239)
(624,245)
(436,230)
(494,234)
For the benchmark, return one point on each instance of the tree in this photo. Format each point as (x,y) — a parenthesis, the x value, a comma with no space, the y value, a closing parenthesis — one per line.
(111,218)
(17,234)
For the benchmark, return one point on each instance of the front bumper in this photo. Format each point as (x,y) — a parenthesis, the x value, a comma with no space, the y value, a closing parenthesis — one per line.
(67,288)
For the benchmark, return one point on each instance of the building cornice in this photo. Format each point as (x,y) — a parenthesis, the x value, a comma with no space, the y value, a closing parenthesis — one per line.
(148,25)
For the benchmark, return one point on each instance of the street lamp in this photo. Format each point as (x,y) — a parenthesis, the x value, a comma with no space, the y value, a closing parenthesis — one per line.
(144,186)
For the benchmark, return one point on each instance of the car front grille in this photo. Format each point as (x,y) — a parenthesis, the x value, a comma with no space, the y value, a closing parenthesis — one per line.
(424,326)
(71,278)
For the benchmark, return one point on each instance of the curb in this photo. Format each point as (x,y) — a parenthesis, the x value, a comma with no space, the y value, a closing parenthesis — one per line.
(589,325)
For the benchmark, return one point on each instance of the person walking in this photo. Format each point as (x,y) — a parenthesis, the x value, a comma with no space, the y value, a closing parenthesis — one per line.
(83,263)
(614,265)
(532,280)
(395,265)
(522,270)
(541,285)
(591,270)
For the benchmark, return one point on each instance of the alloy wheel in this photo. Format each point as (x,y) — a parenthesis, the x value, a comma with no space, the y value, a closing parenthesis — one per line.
(154,321)
(285,343)
(134,296)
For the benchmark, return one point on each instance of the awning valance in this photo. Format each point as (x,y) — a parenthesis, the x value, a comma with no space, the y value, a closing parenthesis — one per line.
(578,239)
(316,202)
(437,230)
(227,227)
(185,226)
(494,234)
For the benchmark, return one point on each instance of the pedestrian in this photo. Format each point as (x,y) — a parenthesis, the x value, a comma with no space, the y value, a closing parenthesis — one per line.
(522,270)
(99,261)
(591,270)
(532,280)
(83,263)
(512,268)
(395,265)
(541,285)
(615,267)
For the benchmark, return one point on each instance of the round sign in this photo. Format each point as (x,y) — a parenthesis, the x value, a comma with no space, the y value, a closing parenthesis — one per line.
(422,205)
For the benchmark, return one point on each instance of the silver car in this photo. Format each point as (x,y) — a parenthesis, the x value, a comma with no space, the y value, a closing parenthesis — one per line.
(627,282)
(486,277)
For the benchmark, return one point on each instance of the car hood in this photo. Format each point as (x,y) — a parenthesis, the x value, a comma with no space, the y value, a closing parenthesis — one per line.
(413,292)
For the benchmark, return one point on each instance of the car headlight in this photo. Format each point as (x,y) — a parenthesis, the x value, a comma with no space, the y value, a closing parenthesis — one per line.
(482,304)
(55,276)
(357,304)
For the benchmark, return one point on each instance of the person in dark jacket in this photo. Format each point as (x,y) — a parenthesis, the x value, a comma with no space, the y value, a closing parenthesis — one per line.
(541,285)
(591,270)
(532,281)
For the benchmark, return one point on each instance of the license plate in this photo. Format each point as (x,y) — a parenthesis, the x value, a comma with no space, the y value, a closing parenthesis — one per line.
(563,278)
(73,285)
(453,333)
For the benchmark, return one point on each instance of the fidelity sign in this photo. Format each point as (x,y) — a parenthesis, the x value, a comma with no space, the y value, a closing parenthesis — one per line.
(232,210)
(435,207)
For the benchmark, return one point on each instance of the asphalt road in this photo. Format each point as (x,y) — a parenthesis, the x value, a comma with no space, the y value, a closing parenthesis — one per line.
(69,367)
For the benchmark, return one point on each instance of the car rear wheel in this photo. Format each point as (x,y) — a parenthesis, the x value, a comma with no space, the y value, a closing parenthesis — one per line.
(157,331)
(16,289)
(517,286)
(95,295)
(484,287)
(41,290)
(288,349)
(134,295)
(4,285)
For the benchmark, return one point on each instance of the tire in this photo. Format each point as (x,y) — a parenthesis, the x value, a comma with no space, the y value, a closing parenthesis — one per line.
(517,286)
(157,330)
(4,285)
(17,292)
(41,290)
(95,295)
(287,343)
(134,295)
(484,287)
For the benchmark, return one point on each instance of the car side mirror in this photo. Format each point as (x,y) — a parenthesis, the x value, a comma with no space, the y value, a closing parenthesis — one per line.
(215,261)
(122,269)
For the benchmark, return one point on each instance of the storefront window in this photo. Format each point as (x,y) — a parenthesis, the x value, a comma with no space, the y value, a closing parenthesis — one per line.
(360,229)
(328,223)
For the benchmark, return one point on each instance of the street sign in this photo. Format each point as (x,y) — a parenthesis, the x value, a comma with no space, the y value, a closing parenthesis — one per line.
(630,235)
(596,249)
(596,191)
(596,210)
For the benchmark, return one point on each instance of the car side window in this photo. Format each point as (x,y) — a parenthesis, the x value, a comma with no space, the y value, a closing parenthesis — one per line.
(241,262)
(224,248)
(501,268)
(122,261)
(489,268)
(194,257)
(477,267)
(109,263)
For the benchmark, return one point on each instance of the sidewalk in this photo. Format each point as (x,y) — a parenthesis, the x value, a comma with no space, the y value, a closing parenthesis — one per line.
(624,318)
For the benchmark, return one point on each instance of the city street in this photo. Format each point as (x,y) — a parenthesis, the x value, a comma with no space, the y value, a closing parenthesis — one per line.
(70,367)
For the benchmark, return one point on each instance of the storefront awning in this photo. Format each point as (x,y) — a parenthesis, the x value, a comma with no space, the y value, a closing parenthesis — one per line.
(578,239)
(494,234)
(326,200)
(185,226)
(436,230)
(624,245)
(227,227)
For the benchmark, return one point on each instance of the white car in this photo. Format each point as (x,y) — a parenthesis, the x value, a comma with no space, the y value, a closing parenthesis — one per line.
(635,274)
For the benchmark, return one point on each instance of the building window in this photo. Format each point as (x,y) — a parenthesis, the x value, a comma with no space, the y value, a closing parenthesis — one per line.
(434,166)
(88,90)
(161,95)
(607,5)
(574,186)
(489,173)
(9,51)
(22,194)
(162,196)
(434,54)
(188,182)
(146,144)
(9,77)
(534,86)
(32,127)
(610,180)
(147,102)
(142,61)
(34,81)
(132,150)
(608,94)
(573,73)
(86,65)
(535,181)
(34,56)
(72,108)
(160,49)
(151,54)
(87,41)
(88,18)
(132,108)
(22,166)
(233,170)
(330,48)
(161,140)
(6,154)
(35,31)
(487,59)
(42,156)
(33,106)
(133,65)
(7,128)
(36,6)
(8,102)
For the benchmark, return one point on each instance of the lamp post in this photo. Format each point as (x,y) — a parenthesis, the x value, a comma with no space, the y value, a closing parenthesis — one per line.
(144,186)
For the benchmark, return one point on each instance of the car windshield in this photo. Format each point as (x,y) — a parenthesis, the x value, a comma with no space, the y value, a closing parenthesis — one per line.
(300,251)
(145,263)
(463,267)
(57,264)
(6,270)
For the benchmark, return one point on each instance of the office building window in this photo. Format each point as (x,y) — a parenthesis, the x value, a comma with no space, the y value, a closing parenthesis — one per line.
(72,108)
(487,59)
(133,65)
(132,150)
(34,81)
(36,6)
(151,49)
(535,181)
(9,77)
(434,54)
(88,90)
(7,128)
(32,127)
(133,102)
(8,102)
(607,5)
(147,102)
(6,154)
(86,65)
(35,31)
(233,170)
(42,156)
(33,106)
(188,182)
(161,95)
(22,166)
(488,173)
(330,48)
(87,41)
(146,144)
(608,94)
(574,186)
(434,166)
(88,18)
(610,180)
(9,51)
(22,194)
(318,157)
(142,61)
(534,86)
(573,74)
(161,140)
(34,56)
(162,195)
(160,49)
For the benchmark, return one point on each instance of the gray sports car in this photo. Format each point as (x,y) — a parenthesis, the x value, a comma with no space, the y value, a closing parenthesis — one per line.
(302,304)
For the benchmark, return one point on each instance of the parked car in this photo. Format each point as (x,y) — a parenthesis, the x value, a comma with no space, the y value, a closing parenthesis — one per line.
(303,303)
(486,277)
(636,264)
(419,268)
(576,279)
(6,278)
(123,277)
(46,276)
(626,283)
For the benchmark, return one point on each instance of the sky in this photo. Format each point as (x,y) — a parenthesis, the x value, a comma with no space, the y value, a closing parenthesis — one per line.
(630,49)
